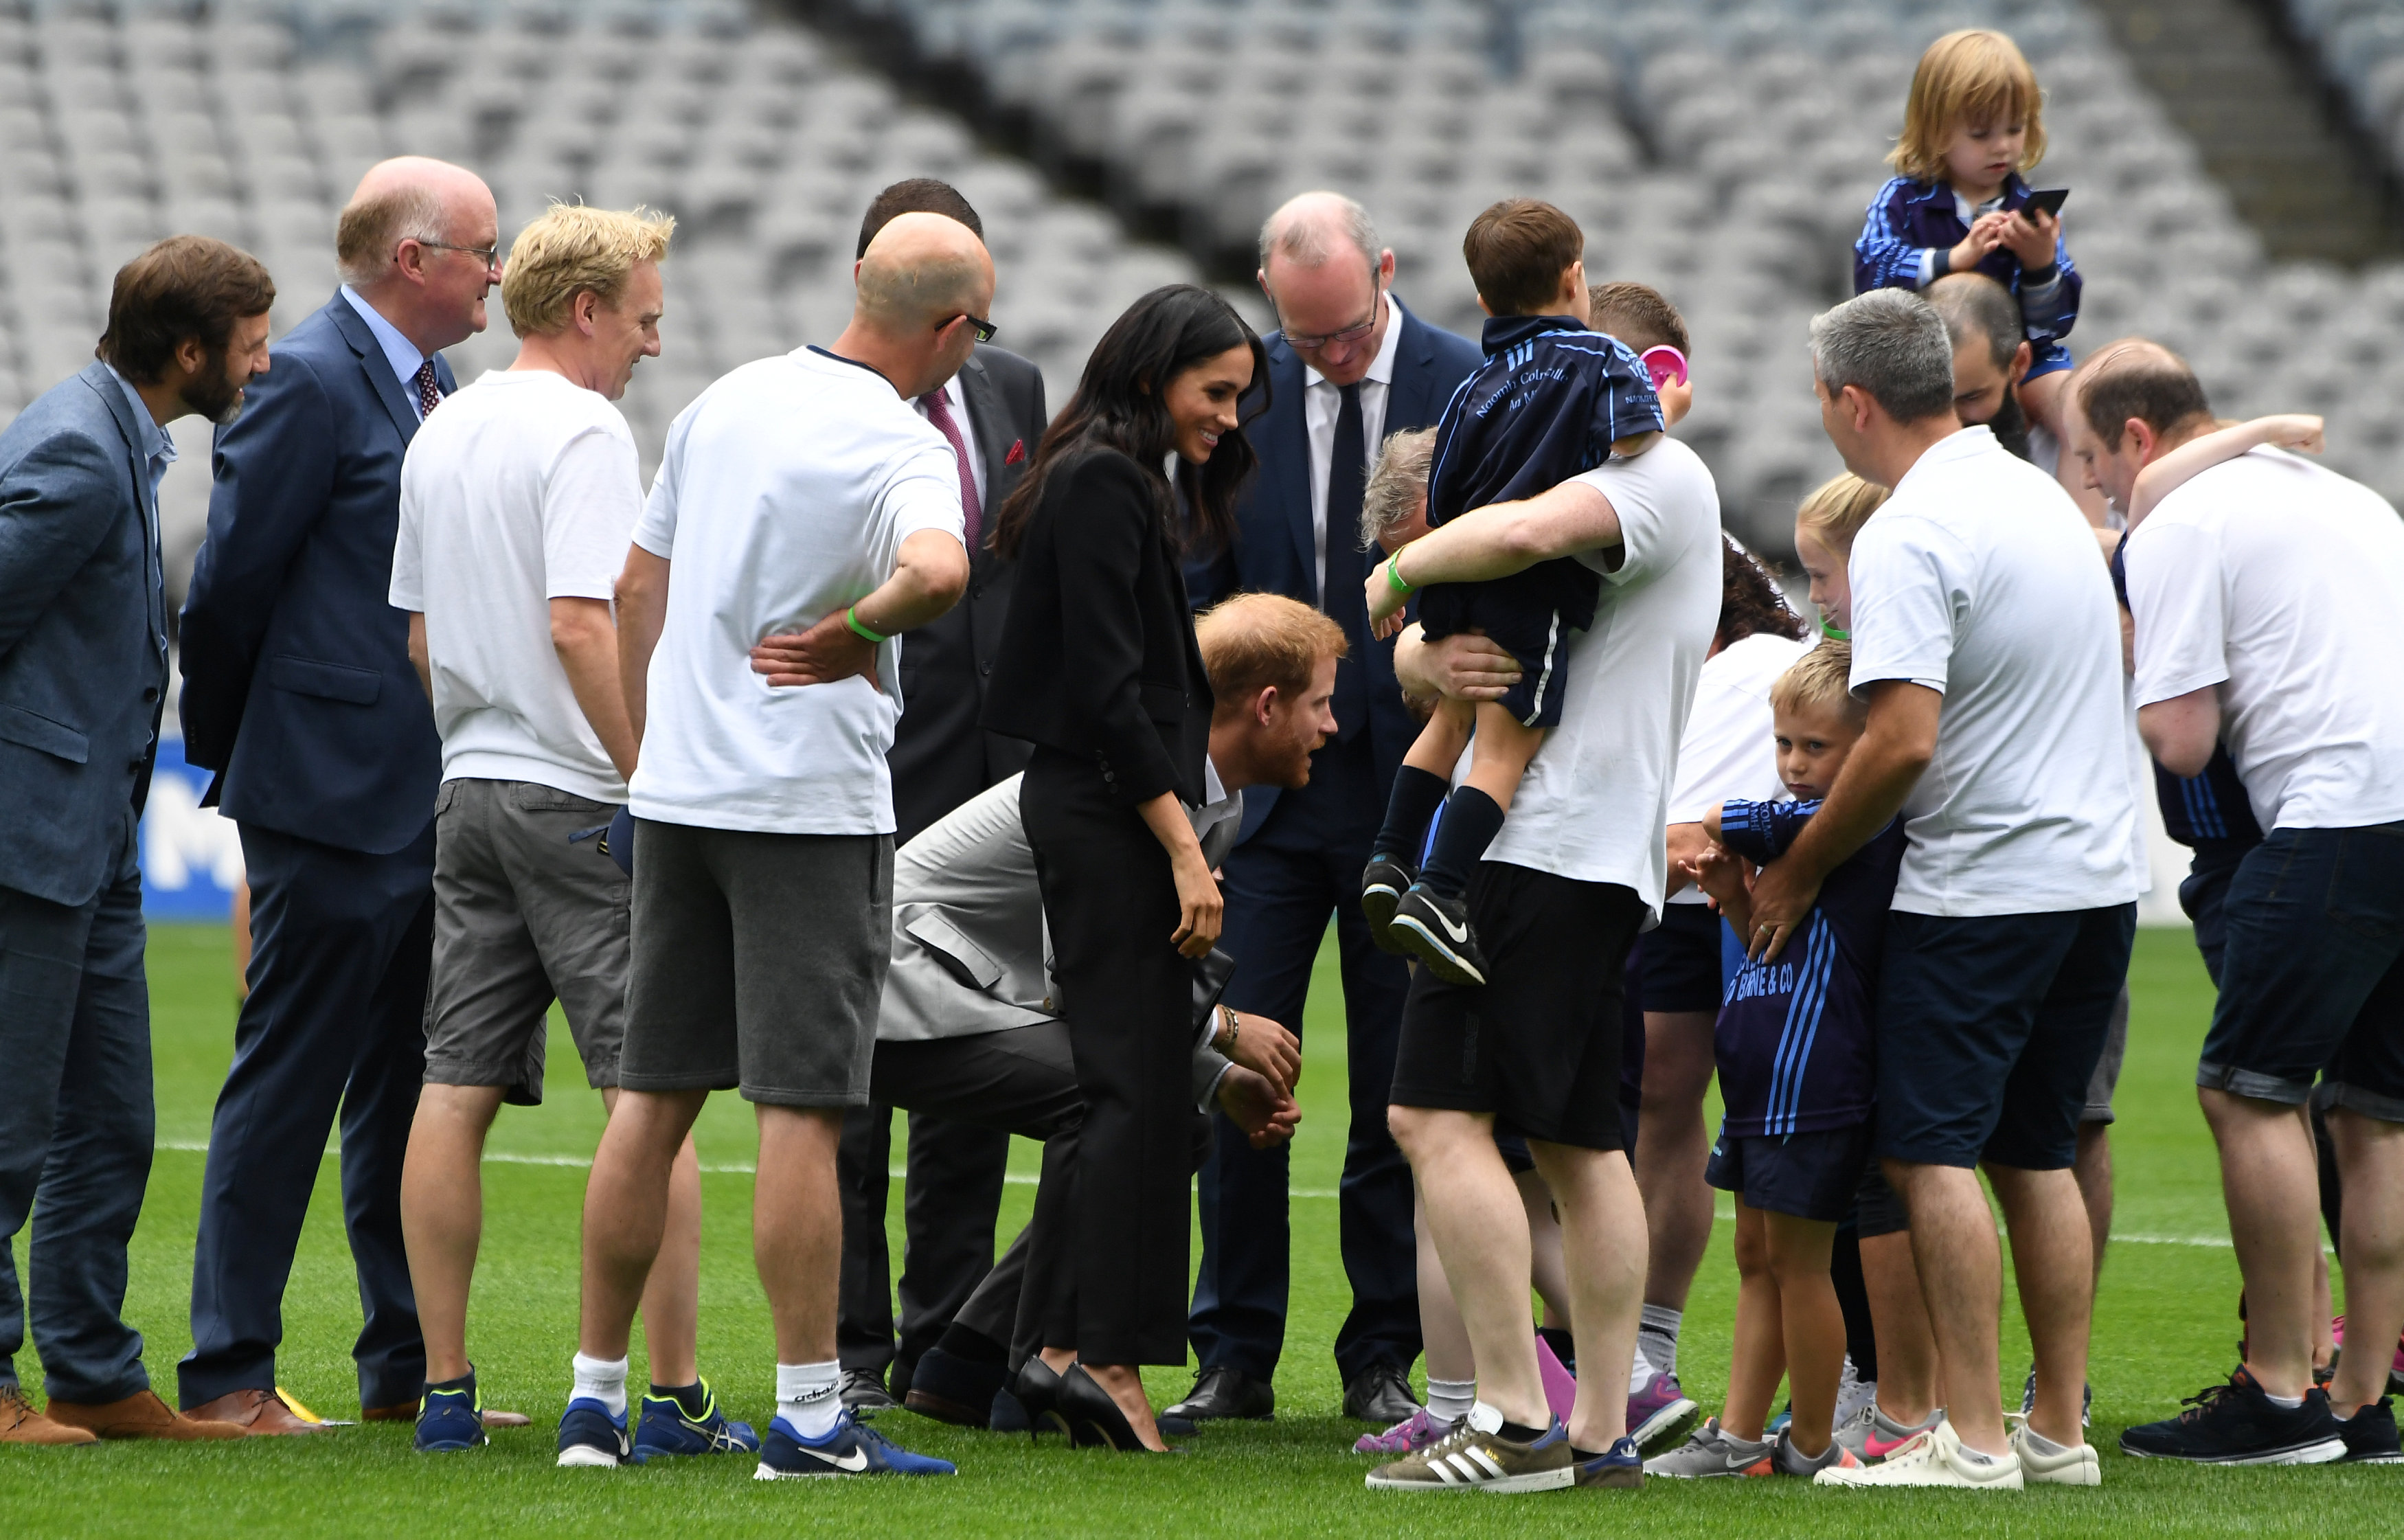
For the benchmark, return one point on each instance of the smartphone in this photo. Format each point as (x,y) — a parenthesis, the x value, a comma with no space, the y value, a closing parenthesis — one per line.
(2049,200)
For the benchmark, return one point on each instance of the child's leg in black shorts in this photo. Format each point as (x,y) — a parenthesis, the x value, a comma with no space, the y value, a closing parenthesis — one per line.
(1473,815)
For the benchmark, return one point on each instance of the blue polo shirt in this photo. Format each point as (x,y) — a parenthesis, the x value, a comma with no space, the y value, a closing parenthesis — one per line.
(1797,1038)
(1910,221)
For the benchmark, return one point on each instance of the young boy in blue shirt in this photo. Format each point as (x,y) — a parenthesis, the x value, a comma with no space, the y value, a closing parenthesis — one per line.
(1796,1046)
(1554,398)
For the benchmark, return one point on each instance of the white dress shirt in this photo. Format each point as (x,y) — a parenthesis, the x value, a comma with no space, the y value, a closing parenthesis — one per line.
(398,351)
(1321,402)
(957,400)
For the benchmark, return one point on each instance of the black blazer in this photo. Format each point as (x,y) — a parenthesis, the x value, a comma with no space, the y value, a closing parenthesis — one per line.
(941,756)
(1098,656)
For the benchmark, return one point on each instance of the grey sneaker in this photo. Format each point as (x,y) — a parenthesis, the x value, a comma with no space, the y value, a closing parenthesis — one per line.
(2086,1406)
(1788,1461)
(1872,1435)
(1708,1453)
(1481,1458)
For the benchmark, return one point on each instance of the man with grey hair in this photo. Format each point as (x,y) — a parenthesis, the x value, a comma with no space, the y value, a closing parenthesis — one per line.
(299,691)
(1986,638)
(1347,367)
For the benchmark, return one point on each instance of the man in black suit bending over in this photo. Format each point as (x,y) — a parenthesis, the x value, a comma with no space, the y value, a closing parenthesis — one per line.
(1347,367)
(993,413)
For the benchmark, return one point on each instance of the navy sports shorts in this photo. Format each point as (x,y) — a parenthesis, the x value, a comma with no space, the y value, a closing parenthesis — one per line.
(1989,1027)
(1531,615)
(2203,895)
(1682,960)
(2312,980)
(1810,1175)
(1878,1208)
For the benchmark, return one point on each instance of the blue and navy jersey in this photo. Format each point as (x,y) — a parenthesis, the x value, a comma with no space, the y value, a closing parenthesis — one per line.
(1908,217)
(2200,811)
(1547,404)
(1797,1038)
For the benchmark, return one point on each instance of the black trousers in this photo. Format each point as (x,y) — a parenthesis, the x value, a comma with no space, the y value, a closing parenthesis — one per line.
(950,1202)
(990,1086)
(1302,866)
(1128,996)
(341,946)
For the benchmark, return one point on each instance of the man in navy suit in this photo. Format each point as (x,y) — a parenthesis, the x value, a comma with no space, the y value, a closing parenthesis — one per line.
(299,691)
(83,678)
(1347,367)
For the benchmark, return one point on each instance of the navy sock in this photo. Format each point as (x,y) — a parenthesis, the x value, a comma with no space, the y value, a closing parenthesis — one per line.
(1471,820)
(970,1346)
(1417,793)
(691,1399)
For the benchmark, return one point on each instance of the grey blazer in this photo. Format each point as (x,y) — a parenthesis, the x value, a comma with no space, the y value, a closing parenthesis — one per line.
(83,635)
(971,951)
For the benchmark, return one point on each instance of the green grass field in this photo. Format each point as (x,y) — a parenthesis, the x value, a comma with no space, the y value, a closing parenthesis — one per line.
(2164,1326)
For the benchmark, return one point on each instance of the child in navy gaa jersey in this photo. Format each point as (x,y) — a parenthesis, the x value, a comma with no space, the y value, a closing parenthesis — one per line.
(1553,399)
(1796,1055)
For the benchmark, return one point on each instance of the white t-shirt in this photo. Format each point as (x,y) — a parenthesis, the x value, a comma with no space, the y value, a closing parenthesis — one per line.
(1595,801)
(785,493)
(2280,581)
(523,488)
(1729,750)
(1980,579)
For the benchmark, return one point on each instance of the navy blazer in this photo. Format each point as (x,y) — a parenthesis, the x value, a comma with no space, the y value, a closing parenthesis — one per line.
(1274,552)
(298,689)
(83,635)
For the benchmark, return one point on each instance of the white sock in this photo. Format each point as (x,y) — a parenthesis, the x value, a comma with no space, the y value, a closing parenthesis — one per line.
(603,1380)
(1640,1371)
(809,1399)
(1450,1400)
(2287,1402)
(1658,1337)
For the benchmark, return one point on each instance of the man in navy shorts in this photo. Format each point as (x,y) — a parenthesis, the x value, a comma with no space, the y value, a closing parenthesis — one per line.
(1986,638)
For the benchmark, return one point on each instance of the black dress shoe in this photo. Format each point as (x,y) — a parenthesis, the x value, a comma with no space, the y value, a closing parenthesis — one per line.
(1038,1390)
(864,1392)
(1095,1419)
(1224,1392)
(951,1389)
(1379,1394)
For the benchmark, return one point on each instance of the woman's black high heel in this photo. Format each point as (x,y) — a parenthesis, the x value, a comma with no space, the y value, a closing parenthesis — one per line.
(1038,1388)
(1094,1419)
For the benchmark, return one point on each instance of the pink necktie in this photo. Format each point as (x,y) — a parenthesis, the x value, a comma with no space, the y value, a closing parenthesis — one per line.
(939,411)
(429,394)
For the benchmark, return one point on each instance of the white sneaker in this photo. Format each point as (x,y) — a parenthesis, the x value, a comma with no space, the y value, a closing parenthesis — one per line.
(1853,1392)
(1934,1459)
(2067,1467)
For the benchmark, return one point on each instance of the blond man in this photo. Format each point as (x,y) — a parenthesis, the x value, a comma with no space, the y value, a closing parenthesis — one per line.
(517,501)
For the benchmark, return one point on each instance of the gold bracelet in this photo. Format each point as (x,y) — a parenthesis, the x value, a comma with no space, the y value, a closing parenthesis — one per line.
(1235,1026)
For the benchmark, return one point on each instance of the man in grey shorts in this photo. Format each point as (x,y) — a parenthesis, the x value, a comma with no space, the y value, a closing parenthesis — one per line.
(764,819)
(517,501)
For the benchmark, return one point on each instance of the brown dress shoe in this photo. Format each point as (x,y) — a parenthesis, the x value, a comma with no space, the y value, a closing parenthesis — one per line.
(141,1415)
(257,1413)
(406,1411)
(20,1423)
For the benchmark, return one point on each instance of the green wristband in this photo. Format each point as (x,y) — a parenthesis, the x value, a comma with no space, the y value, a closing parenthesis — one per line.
(1394,576)
(851,619)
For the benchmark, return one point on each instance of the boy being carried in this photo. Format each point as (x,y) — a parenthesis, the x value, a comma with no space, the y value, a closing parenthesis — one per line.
(1797,1071)
(1552,400)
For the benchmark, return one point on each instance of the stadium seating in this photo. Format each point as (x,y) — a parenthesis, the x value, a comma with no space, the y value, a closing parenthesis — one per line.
(119,125)
(2361,48)
(1722,149)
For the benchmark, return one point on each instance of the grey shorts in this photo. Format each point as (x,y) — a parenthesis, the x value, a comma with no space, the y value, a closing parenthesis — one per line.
(2107,1069)
(759,962)
(521,917)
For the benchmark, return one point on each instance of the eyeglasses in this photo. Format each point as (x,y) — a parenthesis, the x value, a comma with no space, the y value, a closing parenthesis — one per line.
(1350,334)
(489,256)
(986,331)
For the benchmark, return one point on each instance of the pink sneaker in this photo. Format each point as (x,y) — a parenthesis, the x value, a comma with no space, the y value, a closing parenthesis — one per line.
(1660,1412)
(2395,1371)
(1405,1437)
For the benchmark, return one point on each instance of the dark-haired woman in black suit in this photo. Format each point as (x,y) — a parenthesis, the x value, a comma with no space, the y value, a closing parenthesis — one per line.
(1099,669)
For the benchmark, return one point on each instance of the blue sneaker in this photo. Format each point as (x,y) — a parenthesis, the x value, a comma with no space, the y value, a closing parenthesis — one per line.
(1620,1465)
(665,1429)
(450,1421)
(851,1448)
(589,1436)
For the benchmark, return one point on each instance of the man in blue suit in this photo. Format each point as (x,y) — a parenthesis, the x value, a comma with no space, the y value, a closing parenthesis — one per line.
(299,691)
(83,678)
(1347,367)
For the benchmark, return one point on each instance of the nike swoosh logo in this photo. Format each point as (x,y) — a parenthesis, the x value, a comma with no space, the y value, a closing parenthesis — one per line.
(856,1461)
(1458,933)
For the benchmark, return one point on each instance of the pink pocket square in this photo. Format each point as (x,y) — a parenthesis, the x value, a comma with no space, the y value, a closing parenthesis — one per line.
(1017,452)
